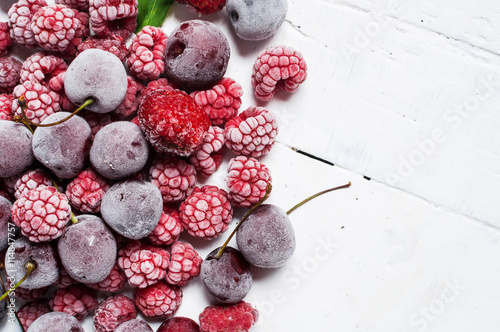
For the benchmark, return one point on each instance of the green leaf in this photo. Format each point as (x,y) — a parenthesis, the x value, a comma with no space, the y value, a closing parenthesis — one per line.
(152,12)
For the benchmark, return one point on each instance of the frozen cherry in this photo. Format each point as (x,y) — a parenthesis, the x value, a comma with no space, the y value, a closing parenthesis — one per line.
(134,325)
(15,146)
(56,321)
(5,219)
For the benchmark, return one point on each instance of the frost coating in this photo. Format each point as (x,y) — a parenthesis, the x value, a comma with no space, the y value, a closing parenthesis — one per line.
(15,144)
(64,322)
(5,206)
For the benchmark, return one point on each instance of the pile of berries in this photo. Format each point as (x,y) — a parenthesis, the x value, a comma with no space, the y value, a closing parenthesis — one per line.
(132,171)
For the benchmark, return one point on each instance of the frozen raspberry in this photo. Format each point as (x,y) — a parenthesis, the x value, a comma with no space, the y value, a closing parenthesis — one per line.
(9,183)
(174,177)
(172,122)
(81,33)
(112,312)
(185,264)
(81,5)
(42,213)
(169,228)
(159,300)
(9,73)
(252,132)
(31,180)
(205,6)
(97,120)
(161,83)
(238,317)
(30,311)
(65,280)
(208,157)
(76,300)
(109,43)
(29,294)
(43,68)
(6,106)
(113,16)
(247,180)
(5,40)
(54,27)
(40,100)
(86,190)
(143,265)
(179,324)
(114,282)
(278,68)
(147,53)
(132,99)
(221,102)
(207,212)
(20,15)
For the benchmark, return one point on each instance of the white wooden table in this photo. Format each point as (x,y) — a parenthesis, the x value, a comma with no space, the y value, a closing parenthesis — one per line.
(407,94)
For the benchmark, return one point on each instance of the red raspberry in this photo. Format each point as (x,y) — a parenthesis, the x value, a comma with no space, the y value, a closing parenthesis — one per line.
(30,311)
(147,53)
(113,16)
(97,120)
(159,300)
(238,317)
(6,106)
(159,84)
(169,228)
(41,101)
(65,280)
(54,27)
(20,15)
(76,300)
(109,43)
(81,5)
(29,294)
(42,213)
(31,180)
(144,265)
(247,180)
(278,68)
(86,190)
(5,40)
(221,102)
(184,265)
(9,73)
(208,157)
(205,6)
(172,122)
(252,132)
(81,34)
(174,177)
(114,282)
(207,212)
(132,99)
(179,324)
(43,68)
(112,312)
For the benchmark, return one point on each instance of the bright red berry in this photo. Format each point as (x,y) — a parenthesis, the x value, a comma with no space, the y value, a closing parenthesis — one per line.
(30,180)
(112,312)
(86,190)
(185,264)
(168,229)
(5,40)
(147,53)
(113,16)
(20,15)
(238,317)
(159,300)
(205,6)
(76,300)
(6,106)
(9,77)
(208,157)
(40,100)
(43,68)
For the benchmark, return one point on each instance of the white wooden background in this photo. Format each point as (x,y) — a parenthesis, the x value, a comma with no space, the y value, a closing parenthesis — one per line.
(406,93)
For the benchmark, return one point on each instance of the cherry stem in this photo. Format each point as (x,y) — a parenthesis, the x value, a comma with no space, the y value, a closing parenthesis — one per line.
(249,212)
(9,301)
(30,267)
(316,195)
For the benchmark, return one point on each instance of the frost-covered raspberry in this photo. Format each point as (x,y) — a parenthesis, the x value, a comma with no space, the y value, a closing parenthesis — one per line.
(144,265)
(81,33)
(5,40)
(221,102)
(65,280)
(81,5)
(203,6)
(30,180)
(42,213)
(114,282)
(168,229)
(185,264)
(97,120)
(207,212)
(161,83)
(278,68)
(54,27)
(132,99)
(252,132)
(147,53)
(6,106)
(112,312)
(237,317)
(159,300)
(113,16)
(43,68)
(76,300)
(86,190)
(20,15)
(29,294)
(174,177)
(9,73)
(208,157)
(40,100)
(109,43)
(247,180)
(30,311)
